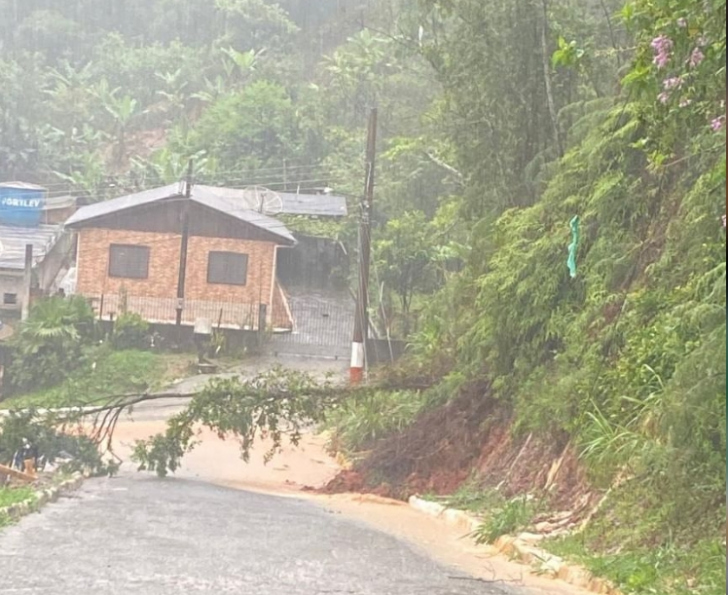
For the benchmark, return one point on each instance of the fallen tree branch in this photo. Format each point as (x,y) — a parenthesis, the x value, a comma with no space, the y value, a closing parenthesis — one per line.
(9,471)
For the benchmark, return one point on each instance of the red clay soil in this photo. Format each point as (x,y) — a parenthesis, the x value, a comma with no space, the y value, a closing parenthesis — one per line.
(435,454)
(444,447)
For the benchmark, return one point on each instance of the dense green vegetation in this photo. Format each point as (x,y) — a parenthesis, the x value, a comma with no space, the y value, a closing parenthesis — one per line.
(500,122)
(105,373)
(61,357)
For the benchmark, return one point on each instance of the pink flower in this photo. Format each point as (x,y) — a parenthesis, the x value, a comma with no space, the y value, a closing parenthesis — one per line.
(662,46)
(696,58)
(672,83)
(702,41)
(663,97)
(685,102)
(682,22)
(717,123)
(723,218)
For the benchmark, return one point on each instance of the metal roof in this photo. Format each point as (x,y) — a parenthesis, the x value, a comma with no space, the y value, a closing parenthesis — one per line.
(312,205)
(199,194)
(229,207)
(14,239)
(320,205)
(122,203)
(21,186)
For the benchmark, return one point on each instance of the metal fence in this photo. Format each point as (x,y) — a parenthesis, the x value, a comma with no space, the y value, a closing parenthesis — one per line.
(228,315)
(323,325)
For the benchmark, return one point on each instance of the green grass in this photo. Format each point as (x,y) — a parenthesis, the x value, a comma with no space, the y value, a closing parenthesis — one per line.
(511,518)
(114,373)
(641,547)
(500,515)
(667,569)
(360,421)
(10,496)
(470,497)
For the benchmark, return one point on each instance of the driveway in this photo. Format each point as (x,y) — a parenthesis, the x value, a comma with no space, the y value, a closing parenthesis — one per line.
(141,535)
(323,325)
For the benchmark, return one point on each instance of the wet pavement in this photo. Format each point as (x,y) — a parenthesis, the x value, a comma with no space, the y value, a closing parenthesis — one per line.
(137,534)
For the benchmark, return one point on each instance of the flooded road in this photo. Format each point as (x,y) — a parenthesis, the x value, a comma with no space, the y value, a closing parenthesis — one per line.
(220,525)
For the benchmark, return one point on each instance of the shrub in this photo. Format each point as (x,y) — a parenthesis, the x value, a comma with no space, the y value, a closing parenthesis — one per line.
(48,346)
(361,420)
(50,442)
(131,331)
(512,517)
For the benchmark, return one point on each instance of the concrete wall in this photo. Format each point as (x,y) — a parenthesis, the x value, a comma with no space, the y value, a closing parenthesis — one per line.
(58,257)
(44,274)
(11,282)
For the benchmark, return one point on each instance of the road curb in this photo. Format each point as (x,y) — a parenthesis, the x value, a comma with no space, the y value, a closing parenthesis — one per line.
(520,548)
(42,497)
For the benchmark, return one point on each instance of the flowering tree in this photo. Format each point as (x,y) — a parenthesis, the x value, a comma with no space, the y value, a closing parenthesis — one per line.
(681,61)
(681,66)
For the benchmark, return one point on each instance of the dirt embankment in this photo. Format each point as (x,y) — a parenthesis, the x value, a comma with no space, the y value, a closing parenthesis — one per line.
(471,436)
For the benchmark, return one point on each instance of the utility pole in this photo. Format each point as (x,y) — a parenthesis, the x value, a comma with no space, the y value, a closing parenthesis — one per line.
(185,219)
(361,321)
(27,282)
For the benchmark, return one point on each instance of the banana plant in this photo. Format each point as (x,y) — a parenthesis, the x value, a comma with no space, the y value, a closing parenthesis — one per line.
(238,65)
(166,166)
(175,95)
(214,88)
(122,109)
(87,176)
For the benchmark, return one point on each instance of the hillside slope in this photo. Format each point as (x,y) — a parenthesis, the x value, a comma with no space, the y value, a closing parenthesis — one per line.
(610,380)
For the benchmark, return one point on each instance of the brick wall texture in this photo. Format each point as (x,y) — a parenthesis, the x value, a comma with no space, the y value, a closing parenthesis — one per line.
(93,266)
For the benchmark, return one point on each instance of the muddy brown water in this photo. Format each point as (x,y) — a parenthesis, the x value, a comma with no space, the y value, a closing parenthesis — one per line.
(218,461)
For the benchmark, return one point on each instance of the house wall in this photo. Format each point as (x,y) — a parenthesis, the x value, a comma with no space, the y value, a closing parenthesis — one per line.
(258,290)
(93,265)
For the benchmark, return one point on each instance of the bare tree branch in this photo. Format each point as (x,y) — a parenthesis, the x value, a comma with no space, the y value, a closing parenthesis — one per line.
(447,167)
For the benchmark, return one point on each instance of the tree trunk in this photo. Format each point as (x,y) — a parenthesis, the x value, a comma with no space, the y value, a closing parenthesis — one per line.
(547,79)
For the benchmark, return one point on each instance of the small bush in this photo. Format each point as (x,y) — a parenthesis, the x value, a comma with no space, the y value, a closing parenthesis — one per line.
(359,421)
(131,331)
(48,346)
(514,516)
(471,496)
(27,425)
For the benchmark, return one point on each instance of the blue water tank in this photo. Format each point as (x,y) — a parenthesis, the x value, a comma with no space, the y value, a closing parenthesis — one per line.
(21,204)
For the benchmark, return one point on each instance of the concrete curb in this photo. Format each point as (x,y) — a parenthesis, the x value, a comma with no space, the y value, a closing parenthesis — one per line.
(520,548)
(41,498)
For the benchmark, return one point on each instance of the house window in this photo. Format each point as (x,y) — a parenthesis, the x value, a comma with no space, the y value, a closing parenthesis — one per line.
(10,299)
(128,262)
(227,268)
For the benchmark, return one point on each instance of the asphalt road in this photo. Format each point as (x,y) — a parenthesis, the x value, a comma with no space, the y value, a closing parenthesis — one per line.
(137,534)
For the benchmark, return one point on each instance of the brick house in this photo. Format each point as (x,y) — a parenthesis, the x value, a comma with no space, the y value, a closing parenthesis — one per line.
(130,252)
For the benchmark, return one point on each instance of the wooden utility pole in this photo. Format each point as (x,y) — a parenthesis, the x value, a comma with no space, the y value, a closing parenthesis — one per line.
(185,219)
(361,321)
(27,282)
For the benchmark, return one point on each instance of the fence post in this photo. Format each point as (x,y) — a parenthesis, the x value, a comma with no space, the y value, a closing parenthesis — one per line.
(262,324)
